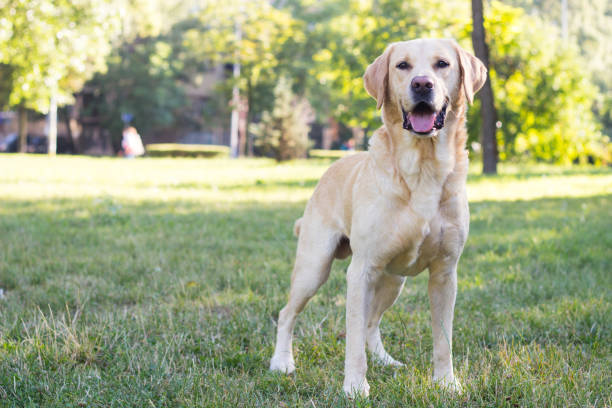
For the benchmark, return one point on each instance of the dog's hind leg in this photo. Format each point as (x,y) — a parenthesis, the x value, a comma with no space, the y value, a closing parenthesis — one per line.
(386,292)
(315,253)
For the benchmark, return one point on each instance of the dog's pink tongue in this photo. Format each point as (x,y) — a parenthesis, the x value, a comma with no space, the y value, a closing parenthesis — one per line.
(422,122)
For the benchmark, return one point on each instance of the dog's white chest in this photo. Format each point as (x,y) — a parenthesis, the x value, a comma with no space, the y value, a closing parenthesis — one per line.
(441,238)
(406,261)
(404,264)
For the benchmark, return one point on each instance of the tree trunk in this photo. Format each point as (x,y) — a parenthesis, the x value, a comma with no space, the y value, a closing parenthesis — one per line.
(249,118)
(234,134)
(22,128)
(487,108)
(243,112)
(66,119)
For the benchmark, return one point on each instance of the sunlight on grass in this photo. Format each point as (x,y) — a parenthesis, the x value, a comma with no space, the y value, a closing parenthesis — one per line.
(250,180)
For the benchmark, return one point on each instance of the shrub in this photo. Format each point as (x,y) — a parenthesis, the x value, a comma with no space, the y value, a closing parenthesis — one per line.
(186,150)
(283,132)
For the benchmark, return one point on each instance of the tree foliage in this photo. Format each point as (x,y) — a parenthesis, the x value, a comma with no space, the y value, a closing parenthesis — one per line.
(544,97)
(283,131)
(52,47)
(141,81)
(147,70)
(590,28)
(264,32)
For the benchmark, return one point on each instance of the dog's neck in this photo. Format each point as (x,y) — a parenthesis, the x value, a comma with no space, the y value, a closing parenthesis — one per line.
(426,167)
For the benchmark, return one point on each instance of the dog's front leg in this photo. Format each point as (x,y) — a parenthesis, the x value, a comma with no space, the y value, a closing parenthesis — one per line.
(360,288)
(442,293)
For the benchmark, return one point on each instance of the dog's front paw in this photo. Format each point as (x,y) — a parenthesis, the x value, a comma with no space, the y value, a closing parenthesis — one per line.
(356,387)
(283,363)
(450,383)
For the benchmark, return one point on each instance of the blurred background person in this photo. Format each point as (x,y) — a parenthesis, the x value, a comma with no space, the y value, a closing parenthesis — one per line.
(132,143)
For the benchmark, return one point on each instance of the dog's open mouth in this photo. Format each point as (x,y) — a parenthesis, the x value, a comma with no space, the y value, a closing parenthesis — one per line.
(423,119)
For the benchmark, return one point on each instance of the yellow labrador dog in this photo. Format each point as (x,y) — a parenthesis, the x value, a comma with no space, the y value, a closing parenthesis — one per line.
(399,208)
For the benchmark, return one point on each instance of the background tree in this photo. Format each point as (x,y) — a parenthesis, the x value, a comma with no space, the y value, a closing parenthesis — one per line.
(265,29)
(544,96)
(50,49)
(487,105)
(142,80)
(282,133)
(590,28)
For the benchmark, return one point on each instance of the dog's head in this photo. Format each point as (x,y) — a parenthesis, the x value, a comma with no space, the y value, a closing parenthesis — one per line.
(416,82)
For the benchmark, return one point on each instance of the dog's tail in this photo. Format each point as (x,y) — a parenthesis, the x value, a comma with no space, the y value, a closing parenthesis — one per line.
(296,227)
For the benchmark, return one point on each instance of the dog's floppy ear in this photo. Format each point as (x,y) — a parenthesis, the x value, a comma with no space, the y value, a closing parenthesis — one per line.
(376,77)
(473,72)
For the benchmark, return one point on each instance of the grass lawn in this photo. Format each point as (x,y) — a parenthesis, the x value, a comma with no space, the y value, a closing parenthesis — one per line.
(157,282)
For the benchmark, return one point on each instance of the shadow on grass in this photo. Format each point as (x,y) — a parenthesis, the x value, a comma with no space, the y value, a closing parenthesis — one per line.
(509,243)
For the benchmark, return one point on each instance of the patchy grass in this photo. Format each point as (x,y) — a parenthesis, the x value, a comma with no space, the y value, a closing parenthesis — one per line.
(157,282)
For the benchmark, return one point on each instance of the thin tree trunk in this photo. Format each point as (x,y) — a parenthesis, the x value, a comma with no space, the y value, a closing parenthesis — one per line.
(22,123)
(66,119)
(487,108)
(249,119)
(234,134)
(243,112)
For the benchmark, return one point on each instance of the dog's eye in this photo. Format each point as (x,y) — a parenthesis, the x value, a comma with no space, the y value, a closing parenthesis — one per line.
(442,64)
(403,65)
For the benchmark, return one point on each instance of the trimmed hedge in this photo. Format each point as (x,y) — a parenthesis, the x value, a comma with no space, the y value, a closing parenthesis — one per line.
(186,150)
(209,151)
(329,154)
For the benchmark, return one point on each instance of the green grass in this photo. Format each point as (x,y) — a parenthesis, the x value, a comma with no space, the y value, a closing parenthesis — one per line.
(157,282)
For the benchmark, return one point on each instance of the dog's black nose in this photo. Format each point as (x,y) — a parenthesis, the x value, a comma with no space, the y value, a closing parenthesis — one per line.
(422,85)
